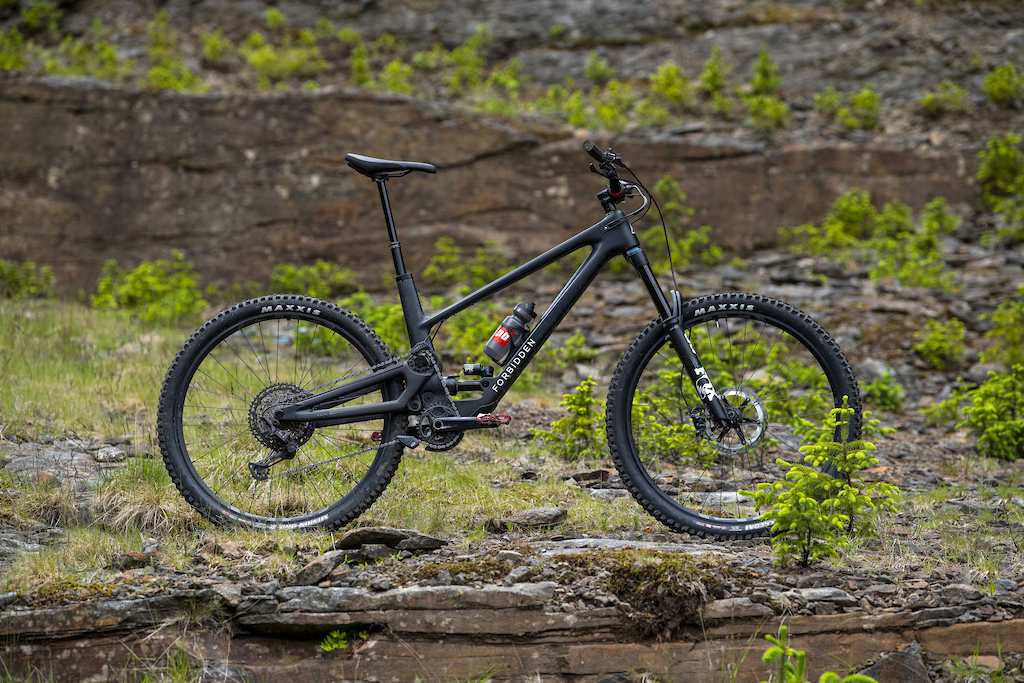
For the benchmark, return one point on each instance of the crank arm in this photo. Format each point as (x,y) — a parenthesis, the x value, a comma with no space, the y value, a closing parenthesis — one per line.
(465,424)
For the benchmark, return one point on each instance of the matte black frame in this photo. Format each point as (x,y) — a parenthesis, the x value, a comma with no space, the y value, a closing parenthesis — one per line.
(610,237)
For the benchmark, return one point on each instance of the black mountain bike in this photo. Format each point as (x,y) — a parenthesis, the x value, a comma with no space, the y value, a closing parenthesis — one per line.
(287,411)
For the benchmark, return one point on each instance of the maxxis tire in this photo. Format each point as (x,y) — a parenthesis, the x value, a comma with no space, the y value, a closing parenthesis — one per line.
(714,313)
(311,330)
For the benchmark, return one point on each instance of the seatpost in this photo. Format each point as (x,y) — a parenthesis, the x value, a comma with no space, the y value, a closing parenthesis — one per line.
(396,247)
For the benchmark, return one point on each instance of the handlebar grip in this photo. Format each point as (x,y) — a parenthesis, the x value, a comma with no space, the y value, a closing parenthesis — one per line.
(593,150)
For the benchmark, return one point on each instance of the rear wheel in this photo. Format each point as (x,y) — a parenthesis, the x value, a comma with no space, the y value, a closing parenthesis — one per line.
(776,369)
(221,444)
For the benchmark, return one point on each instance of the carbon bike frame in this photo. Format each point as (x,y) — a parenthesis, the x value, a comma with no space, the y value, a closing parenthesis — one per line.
(612,236)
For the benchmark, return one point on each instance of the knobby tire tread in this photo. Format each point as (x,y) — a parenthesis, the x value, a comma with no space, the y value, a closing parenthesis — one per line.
(363,495)
(619,406)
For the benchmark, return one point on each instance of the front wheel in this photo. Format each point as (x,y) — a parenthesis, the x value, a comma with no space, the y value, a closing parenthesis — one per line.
(779,372)
(228,455)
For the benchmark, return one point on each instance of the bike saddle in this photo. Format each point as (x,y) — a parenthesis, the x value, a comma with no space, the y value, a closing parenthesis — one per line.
(372,167)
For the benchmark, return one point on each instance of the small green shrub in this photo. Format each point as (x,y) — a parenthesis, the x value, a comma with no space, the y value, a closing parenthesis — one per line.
(274,19)
(651,113)
(556,30)
(359,66)
(884,393)
(173,74)
(1007,332)
(941,344)
(912,254)
(863,111)
(156,291)
(766,79)
(671,92)
(1004,85)
(1001,176)
(386,318)
(217,50)
(828,101)
(349,36)
(41,15)
(889,242)
(447,267)
(613,104)
(168,72)
(716,71)
(78,58)
(994,415)
(722,104)
(161,39)
(12,50)
(324,29)
(1001,168)
(947,98)
(685,246)
(790,665)
(580,435)
(338,639)
(766,111)
(851,219)
(669,85)
(395,77)
(465,63)
(944,414)
(597,70)
(321,280)
(859,111)
(812,511)
(289,60)
(25,280)
(500,92)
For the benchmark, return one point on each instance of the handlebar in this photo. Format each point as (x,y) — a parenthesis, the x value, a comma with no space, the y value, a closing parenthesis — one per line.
(590,148)
(606,162)
(606,159)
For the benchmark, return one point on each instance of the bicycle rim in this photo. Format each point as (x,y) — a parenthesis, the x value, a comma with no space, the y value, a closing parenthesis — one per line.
(780,371)
(231,387)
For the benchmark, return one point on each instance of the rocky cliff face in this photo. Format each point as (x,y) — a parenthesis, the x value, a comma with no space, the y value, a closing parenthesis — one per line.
(240,182)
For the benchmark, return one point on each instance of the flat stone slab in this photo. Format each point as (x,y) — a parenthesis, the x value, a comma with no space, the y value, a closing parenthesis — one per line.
(314,599)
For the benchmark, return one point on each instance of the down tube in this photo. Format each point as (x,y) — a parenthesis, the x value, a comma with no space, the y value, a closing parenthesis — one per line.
(558,309)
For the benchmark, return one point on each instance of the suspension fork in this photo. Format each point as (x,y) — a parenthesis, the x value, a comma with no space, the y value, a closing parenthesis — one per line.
(670,313)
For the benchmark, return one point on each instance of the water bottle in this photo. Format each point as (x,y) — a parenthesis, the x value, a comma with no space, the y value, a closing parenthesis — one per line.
(510,333)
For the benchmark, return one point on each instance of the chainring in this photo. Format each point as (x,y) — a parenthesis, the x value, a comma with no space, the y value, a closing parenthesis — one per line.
(432,439)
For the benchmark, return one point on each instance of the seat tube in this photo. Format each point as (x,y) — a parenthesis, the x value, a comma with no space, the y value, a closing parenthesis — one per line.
(396,246)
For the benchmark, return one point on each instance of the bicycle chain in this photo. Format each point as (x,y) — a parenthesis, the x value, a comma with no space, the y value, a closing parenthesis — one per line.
(311,465)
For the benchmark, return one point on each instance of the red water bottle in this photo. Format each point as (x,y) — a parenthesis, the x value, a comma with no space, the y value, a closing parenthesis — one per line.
(510,333)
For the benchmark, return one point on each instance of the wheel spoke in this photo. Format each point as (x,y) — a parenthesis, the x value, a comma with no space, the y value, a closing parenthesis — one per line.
(779,393)
(228,383)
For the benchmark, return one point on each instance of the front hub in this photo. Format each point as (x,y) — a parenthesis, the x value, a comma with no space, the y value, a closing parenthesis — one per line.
(745,425)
